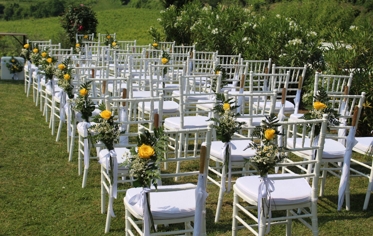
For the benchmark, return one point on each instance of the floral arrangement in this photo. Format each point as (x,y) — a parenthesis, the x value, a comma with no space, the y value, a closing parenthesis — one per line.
(14,65)
(108,40)
(48,65)
(155,45)
(78,19)
(64,76)
(78,48)
(320,107)
(83,104)
(105,130)
(25,52)
(35,56)
(114,45)
(268,153)
(220,70)
(225,118)
(165,59)
(145,158)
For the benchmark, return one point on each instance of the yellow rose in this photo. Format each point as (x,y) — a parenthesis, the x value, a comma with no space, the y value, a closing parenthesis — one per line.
(217,72)
(83,92)
(319,105)
(66,76)
(85,36)
(226,106)
(35,50)
(269,134)
(114,44)
(13,60)
(49,60)
(77,45)
(155,45)
(61,66)
(164,60)
(44,54)
(146,151)
(26,45)
(108,36)
(105,114)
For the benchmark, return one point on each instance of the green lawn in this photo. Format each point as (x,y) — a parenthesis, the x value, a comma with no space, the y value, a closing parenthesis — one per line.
(41,192)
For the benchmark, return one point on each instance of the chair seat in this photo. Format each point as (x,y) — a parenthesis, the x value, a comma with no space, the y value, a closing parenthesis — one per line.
(254,121)
(141,94)
(190,122)
(237,155)
(194,96)
(121,152)
(332,148)
(363,144)
(287,191)
(166,205)
(168,107)
(288,108)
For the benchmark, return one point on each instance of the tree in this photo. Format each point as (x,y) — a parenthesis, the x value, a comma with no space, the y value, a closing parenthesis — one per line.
(79,19)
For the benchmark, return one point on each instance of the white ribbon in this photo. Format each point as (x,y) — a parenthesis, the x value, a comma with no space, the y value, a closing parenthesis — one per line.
(264,191)
(200,212)
(297,101)
(62,96)
(141,199)
(230,146)
(123,118)
(114,170)
(315,143)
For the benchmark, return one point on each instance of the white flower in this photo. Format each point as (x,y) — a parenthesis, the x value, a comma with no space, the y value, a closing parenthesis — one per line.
(159,19)
(353,27)
(295,41)
(244,39)
(254,26)
(217,17)
(278,16)
(215,31)
(312,33)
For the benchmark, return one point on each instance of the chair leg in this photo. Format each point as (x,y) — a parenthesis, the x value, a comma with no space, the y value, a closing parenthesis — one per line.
(234,214)
(288,224)
(85,176)
(60,123)
(103,191)
(108,216)
(221,195)
(72,144)
(128,224)
(323,180)
(369,191)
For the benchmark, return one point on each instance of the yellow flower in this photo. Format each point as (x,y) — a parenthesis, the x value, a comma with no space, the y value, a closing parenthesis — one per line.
(114,44)
(367,104)
(77,45)
(155,45)
(217,72)
(108,36)
(319,105)
(226,106)
(105,114)
(13,60)
(269,134)
(146,151)
(61,66)
(35,50)
(164,60)
(83,92)
(26,45)
(85,36)
(66,76)
(49,60)
(44,54)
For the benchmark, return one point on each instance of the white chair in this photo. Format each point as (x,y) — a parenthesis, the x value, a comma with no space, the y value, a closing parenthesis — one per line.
(221,174)
(176,202)
(84,37)
(102,37)
(124,44)
(300,204)
(259,66)
(364,146)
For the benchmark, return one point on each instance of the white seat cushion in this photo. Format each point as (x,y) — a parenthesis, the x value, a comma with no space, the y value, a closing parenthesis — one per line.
(141,94)
(168,107)
(192,95)
(190,122)
(122,154)
(237,154)
(167,205)
(288,108)
(332,148)
(363,144)
(287,191)
(254,121)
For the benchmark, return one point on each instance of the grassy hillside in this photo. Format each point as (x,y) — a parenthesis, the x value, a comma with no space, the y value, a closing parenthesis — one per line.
(128,23)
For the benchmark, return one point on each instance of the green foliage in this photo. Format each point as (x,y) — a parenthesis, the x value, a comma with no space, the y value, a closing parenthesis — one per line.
(78,19)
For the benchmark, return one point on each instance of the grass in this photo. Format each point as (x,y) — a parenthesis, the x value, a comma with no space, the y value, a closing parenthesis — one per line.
(41,194)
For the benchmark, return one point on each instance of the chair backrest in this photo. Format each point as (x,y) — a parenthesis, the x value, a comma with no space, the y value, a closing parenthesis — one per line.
(332,84)
(166,46)
(200,66)
(259,66)
(279,82)
(183,49)
(39,43)
(102,37)
(296,79)
(201,55)
(137,48)
(125,44)
(84,37)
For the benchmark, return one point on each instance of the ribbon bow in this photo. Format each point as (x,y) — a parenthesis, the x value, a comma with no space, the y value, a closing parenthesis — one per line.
(142,200)
(264,191)
(226,156)
(109,158)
